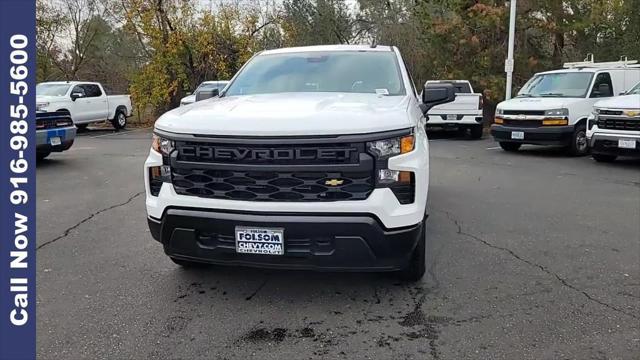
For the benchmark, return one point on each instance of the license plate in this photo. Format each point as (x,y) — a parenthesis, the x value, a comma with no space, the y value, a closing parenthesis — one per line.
(452,117)
(55,141)
(517,135)
(263,241)
(627,144)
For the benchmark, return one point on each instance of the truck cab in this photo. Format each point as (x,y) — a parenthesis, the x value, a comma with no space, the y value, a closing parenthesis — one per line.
(552,107)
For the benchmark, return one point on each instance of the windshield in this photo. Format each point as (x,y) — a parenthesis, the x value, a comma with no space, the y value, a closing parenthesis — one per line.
(337,71)
(569,84)
(52,89)
(635,90)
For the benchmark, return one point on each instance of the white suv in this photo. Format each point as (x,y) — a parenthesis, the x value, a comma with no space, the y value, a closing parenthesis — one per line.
(311,158)
(552,108)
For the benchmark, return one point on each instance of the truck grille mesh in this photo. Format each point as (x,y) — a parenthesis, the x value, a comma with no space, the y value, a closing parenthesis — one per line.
(273,186)
(619,124)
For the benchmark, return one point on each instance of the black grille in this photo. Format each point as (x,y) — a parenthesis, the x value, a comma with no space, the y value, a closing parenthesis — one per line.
(294,246)
(610,112)
(524,112)
(523,123)
(619,124)
(273,185)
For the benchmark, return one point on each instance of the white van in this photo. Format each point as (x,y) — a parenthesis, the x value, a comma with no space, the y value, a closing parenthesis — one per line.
(552,107)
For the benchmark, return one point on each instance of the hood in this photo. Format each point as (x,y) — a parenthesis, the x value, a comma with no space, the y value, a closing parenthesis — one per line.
(49,99)
(620,102)
(288,114)
(538,103)
(188,99)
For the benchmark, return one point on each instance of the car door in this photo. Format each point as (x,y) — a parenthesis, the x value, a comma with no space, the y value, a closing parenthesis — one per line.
(602,87)
(81,105)
(99,106)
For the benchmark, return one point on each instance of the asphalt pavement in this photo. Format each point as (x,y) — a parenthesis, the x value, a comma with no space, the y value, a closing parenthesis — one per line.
(532,255)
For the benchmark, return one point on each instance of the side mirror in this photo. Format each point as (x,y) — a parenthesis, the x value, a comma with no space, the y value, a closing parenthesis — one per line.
(207,94)
(439,94)
(75,96)
(622,93)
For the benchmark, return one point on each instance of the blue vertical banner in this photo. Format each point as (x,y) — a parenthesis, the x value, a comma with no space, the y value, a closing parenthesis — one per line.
(17,180)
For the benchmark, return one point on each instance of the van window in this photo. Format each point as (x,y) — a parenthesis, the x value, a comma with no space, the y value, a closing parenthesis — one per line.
(602,87)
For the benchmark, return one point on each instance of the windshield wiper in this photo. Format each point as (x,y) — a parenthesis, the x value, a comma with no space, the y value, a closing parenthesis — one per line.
(524,95)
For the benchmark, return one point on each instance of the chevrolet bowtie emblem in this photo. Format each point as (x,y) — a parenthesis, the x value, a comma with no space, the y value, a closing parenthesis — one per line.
(632,113)
(334,182)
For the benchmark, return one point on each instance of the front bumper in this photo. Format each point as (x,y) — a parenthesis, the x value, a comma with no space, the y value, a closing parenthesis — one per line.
(607,144)
(551,135)
(331,242)
(44,139)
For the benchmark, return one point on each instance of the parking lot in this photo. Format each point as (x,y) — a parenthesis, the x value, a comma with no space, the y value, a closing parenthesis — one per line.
(532,255)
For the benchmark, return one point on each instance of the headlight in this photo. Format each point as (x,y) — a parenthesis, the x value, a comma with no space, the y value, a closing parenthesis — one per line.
(161,145)
(384,149)
(41,106)
(557,112)
(499,111)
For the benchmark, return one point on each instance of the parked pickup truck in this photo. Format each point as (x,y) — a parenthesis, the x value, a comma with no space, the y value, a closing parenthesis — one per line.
(311,158)
(552,108)
(87,102)
(464,114)
(54,133)
(614,127)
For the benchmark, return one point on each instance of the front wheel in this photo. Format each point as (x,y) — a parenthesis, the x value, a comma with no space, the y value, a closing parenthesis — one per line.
(120,120)
(579,145)
(604,157)
(418,263)
(510,146)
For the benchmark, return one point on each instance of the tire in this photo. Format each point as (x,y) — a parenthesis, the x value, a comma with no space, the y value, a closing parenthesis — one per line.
(476,132)
(119,120)
(82,127)
(579,145)
(187,263)
(510,146)
(604,158)
(42,155)
(418,263)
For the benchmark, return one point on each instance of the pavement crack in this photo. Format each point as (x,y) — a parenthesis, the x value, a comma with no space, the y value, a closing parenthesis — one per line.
(68,230)
(257,290)
(543,268)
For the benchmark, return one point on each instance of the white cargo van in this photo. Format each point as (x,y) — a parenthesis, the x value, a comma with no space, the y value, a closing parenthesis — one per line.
(552,108)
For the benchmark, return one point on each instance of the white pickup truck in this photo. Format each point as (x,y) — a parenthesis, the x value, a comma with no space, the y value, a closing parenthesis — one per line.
(465,113)
(614,127)
(87,102)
